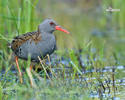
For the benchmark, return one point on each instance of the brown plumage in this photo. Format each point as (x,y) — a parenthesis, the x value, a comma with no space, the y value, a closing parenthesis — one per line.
(19,40)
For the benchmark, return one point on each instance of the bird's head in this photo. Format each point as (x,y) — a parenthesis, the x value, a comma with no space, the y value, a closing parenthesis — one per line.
(49,26)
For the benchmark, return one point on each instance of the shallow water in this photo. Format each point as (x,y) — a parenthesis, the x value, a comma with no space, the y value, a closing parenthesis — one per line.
(104,87)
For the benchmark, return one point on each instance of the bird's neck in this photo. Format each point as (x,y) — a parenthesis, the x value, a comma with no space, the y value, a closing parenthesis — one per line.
(45,33)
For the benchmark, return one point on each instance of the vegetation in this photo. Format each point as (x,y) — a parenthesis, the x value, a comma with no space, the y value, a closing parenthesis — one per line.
(94,58)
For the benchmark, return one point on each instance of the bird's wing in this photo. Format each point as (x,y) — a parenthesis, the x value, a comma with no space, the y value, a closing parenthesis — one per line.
(19,40)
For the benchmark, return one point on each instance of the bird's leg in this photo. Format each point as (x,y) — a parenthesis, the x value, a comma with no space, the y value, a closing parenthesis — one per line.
(20,74)
(32,82)
(31,67)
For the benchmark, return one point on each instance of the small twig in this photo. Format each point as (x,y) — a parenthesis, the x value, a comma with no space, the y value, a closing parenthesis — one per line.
(32,82)
(43,67)
(37,75)
(50,66)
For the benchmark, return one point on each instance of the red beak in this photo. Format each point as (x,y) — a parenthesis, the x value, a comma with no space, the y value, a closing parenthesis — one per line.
(60,29)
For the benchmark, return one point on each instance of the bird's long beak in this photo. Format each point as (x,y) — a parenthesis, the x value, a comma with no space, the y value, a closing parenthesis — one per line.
(61,29)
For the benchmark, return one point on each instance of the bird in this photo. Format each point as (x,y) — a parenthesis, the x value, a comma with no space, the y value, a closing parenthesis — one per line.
(36,44)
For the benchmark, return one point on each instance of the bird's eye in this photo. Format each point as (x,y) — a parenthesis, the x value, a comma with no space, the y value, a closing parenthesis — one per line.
(51,23)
